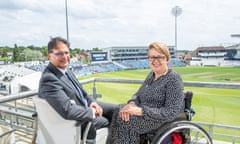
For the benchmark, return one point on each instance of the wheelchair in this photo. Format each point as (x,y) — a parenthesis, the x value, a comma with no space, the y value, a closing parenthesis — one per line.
(179,131)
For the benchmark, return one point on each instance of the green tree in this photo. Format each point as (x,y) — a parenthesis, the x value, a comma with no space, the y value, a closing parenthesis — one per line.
(75,51)
(96,49)
(44,51)
(16,53)
(32,55)
(4,53)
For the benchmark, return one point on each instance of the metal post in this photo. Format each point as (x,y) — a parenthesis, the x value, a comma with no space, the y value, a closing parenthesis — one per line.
(176,11)
(66,19)
(176,36)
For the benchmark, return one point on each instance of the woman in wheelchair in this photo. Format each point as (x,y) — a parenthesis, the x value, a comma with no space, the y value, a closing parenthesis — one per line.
(159,100)
(179,136)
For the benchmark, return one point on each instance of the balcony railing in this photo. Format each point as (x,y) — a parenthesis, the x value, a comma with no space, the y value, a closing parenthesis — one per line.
(18,122)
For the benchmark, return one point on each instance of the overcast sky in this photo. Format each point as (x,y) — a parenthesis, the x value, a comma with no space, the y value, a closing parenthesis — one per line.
(107,23)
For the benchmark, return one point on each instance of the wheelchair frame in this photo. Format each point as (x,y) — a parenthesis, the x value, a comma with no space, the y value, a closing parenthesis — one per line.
(182,125)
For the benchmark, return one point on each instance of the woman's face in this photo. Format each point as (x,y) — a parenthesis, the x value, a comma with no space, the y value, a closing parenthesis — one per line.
(157,60)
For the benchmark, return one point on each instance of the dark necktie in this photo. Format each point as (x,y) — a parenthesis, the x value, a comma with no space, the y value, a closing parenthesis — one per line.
(77,87)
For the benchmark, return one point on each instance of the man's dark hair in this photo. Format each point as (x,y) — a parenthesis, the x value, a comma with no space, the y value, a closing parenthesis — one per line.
(54,41)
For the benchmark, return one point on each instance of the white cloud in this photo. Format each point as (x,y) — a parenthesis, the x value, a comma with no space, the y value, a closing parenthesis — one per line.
(94,23)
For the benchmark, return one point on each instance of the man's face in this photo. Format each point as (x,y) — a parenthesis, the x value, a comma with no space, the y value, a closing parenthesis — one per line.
(60,56)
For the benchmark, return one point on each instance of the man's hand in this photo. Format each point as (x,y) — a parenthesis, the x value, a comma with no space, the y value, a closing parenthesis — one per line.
(98,109)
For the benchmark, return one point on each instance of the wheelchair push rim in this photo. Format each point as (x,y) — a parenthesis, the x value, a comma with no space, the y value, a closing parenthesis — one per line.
(197,134)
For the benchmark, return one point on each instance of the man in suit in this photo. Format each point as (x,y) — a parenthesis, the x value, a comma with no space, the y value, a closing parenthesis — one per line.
(66,95)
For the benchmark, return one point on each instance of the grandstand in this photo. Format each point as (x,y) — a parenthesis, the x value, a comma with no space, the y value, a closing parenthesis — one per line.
(217,56)
(95,68)
(129,57)
(122,53)
(120,58)
(13,71)
(113,59)
(233,52)
(232,56)
(8,73)
(211,56)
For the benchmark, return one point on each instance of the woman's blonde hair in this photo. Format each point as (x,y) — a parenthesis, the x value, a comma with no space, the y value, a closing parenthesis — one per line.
(162,48)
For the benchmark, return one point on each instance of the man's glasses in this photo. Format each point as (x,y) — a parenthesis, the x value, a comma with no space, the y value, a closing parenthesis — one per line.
(158,58)
(60,54)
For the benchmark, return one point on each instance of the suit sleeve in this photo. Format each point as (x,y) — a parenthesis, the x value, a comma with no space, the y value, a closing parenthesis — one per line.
(62,99)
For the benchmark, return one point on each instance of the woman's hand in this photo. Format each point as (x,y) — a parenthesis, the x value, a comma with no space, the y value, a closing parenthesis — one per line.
(130,110)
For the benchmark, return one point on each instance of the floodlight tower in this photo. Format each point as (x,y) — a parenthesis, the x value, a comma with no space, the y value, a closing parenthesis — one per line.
(66,9)
(176,11)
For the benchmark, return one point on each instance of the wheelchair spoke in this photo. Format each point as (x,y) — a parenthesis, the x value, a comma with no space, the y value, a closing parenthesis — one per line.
(197,138)
(191,133)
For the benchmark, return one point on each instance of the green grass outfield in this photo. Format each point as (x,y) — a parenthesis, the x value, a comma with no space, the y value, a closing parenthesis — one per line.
(221,106)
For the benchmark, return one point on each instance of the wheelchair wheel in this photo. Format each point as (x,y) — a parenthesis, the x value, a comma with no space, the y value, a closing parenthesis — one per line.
(193,133)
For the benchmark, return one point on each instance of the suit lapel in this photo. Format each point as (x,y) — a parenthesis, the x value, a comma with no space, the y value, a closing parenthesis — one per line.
(63,78)
(76,81)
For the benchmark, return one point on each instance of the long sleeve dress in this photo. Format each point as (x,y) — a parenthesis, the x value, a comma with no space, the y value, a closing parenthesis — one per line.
(161,101)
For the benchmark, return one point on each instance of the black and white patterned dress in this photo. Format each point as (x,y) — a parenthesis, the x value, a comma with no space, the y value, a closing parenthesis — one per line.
(161,101)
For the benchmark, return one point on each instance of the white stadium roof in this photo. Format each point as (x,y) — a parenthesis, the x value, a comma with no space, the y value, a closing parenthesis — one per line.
(30,81)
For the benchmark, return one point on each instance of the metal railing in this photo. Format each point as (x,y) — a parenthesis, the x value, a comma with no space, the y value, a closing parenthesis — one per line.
(27,116)
(211,132)
(17,119)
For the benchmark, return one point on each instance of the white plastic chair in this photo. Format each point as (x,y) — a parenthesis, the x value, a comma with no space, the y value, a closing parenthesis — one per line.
(53,129)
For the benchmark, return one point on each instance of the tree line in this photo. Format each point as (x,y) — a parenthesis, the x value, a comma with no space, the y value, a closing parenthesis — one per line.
(31,53)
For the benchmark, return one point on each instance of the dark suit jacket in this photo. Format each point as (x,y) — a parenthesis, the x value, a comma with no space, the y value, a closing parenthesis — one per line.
(59,92)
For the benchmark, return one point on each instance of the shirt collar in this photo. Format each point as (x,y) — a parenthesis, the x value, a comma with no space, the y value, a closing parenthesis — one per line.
(62,70)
